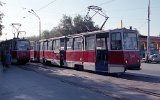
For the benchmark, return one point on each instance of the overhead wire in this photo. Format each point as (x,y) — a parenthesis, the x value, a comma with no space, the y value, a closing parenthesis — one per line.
(42,7)
(128,10)
(106,2)
(46,5)
(143,25)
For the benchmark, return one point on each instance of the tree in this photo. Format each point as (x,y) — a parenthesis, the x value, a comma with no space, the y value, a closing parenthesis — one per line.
(68,26)
(84,24)
(45,34)
(55,32)
(33,38)
(1,16)
(79,25)
(65,27)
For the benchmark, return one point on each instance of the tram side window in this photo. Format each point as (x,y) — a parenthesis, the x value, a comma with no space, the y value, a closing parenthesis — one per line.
(69,44)
(62,44)
(78,43)
(56,45)
(45,45)
(32,45)
(41,46)
(116,43)
(90,42)
(50,45)
(53,44)
(37,46)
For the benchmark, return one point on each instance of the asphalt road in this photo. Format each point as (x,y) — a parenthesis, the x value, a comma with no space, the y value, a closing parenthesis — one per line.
(40,82)
(148,69)
(19,84)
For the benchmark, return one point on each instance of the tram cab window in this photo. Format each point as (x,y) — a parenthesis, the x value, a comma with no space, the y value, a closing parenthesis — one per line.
(116,41)
(78,43)
(130,41)
(23,45)
(90,42)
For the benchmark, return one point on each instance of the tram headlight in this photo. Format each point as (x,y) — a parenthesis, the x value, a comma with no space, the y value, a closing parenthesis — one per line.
(126,61)
(80,59)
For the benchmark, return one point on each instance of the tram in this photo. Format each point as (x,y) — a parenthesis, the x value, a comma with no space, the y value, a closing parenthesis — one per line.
(110,51)
(19,49)
(34,51)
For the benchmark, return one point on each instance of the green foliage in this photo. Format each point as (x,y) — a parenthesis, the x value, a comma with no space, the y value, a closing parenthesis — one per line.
(45,34)
(1,16)
(84,24)
(33,38)
(56,32)
(69,26)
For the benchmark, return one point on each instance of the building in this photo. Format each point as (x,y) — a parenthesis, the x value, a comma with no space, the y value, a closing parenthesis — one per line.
(154,45)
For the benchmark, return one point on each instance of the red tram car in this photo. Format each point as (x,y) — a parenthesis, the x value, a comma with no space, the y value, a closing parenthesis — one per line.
(19,49)
(34,51)
(111,51)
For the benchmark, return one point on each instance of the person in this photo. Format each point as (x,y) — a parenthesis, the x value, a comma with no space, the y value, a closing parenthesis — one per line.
(7,58)
(3,59)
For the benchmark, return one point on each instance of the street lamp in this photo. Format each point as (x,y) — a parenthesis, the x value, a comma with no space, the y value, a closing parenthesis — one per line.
(34,13)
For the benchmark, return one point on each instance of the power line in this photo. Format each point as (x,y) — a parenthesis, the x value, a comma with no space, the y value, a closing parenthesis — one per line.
(46,5)
(106,2)
(42,7)
(142,25)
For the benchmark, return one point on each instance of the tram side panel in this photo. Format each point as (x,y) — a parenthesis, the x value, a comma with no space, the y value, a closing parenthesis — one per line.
(89,59)
(116,61)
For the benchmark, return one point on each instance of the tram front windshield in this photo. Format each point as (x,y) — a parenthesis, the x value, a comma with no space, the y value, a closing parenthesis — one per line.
(130,41)
(23,45)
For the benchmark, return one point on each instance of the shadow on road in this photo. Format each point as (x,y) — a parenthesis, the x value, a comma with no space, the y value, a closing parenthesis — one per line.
(140,77)
(127,75)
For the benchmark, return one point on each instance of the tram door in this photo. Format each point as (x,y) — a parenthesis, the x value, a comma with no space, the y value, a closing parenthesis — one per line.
(101,53)
(62,52)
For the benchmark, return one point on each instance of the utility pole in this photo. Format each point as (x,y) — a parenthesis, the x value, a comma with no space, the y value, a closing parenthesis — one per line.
(121,23)
(35,14)
(148,38)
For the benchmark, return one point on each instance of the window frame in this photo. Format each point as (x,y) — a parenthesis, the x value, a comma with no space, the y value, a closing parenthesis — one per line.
(117,41)
(77,40)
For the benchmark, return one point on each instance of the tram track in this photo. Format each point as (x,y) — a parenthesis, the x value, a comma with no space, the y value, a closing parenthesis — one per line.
(143,91)
(99,91)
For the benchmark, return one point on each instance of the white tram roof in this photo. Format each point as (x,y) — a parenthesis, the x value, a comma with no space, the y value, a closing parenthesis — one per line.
(102,31)
(89,33)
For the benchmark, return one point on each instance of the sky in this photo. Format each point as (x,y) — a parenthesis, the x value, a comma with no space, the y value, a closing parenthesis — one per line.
(132,12)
